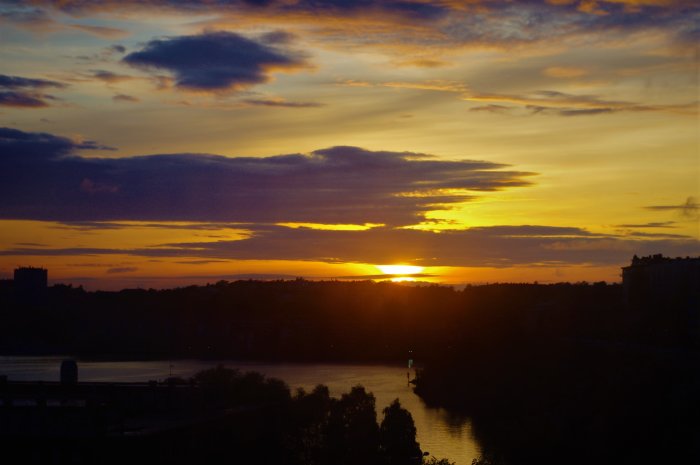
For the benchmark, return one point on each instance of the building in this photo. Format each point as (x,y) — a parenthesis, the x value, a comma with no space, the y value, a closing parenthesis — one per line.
(667,290)
(29,280)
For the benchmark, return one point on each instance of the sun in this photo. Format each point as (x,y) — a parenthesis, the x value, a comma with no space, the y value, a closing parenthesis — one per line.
(400,269)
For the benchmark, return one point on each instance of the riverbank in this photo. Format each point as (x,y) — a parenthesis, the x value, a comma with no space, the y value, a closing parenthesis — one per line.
(574,403)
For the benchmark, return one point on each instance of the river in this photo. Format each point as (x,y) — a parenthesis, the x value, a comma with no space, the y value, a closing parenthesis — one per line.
(440,433)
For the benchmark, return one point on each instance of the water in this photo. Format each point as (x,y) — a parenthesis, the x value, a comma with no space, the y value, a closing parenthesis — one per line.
(439,432)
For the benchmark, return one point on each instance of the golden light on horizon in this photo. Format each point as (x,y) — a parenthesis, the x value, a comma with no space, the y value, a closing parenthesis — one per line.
(403,279)
(400,269)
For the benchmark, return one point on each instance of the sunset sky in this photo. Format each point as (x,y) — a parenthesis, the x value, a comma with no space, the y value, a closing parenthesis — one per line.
(163,143)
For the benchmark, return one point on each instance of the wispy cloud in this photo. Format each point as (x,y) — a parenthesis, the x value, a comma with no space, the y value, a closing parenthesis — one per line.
(500,246)
(655,224)
(689,209)
(273,102)
(125,98)
(109,77)
(566,104)
(122,269)
(22,92)
(40,21)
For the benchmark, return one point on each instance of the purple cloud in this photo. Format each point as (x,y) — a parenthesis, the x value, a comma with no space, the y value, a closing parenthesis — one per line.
(498,246)
(215,61)
(41,177)
(21,92)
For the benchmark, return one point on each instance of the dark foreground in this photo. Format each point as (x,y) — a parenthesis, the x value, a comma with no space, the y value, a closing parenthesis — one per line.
(549,374)
(218,416)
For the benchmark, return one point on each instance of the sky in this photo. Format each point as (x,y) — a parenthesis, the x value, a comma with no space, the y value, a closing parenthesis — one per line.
(165,143)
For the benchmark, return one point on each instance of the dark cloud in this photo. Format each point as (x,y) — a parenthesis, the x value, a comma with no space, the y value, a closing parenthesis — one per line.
(108,76)
(117,48)
(585,112)
(659,235)
(553,102)
(400,9)
(106,55)
(23,99)
(658,224)
(100,31)
(500,246)
(689,209)
(122,269)
(281,103)
(215,61)
(125,98)
(500,23)
(97,225)
(492,109)
(27,17)
(277,37)
(17,82)
(27,148)
(38,20)
(21,92)
(42,178)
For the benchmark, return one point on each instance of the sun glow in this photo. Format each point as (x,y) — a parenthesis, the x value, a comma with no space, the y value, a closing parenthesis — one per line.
(400,269)
(403,279)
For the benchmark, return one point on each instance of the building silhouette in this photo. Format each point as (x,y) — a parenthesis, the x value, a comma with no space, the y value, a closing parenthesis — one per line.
(29,280)
(667,292)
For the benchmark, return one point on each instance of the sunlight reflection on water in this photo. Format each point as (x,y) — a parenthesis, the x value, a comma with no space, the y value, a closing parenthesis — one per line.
(439,432)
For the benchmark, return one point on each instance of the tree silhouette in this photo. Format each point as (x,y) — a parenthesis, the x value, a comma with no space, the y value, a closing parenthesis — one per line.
(352,433)
(397,435)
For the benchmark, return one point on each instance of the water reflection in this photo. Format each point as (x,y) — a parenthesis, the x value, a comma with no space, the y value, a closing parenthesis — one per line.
(440,432)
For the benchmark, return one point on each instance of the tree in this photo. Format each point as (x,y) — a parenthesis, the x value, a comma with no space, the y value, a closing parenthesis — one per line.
(352,433)
(397,435)
(434,461)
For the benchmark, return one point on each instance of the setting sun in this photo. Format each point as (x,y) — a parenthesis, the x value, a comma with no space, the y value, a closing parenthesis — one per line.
(400,269)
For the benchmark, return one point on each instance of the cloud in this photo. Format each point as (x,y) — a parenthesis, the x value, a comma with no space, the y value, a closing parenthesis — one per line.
(106,55)
(18,82)
(549,101)
(23,99)
(117,48)
(215,61)
(492,108)
(689,209)
(22,92)
(108,76)
(433,26)
(565,104)
(31,18)
(39,21)
(498,246)
(100,31)
(432,85)
(584,112)
(41,177)
(412,10)
(125,98)
(32,148)
(122,269)
(657,224)
(282,103)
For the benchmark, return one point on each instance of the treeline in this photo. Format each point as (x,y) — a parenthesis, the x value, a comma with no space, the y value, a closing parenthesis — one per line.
(313,428)
(301,320)
(220,415)
(577,399)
